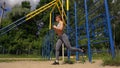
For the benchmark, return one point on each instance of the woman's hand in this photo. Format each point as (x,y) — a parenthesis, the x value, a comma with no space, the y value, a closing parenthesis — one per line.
(54,26)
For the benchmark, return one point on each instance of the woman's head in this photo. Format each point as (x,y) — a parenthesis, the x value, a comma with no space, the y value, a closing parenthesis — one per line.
(58,18)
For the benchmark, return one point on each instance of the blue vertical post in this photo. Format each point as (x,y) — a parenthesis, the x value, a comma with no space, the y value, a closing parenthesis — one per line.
(76,31)
(87,29)
(52,36)
(109,28)
(68,20)
(68,33)
(49,41)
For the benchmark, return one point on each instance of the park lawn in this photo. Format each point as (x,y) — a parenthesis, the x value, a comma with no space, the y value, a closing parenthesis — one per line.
(19,56)
(111,61)
(107,59)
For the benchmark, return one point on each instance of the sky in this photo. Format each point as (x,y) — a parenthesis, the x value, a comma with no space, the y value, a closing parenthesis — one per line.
(12,3)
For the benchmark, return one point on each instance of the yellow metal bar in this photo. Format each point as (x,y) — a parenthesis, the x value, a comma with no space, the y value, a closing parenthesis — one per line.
(53,8)
(63,9)
(41,8)
(62,5)
(39,12)
(67,5)
(60,13)
(59,9)
(50,24)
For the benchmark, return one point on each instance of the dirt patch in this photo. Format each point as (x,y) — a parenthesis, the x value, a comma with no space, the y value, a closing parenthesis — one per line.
(47,64)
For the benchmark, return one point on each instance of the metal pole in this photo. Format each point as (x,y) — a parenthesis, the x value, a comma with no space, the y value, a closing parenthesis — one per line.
(87,29)
(68,53)
(76,31)
(62,44)
(109,29)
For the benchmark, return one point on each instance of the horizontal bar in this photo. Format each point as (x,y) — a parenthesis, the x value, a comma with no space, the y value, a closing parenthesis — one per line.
(82,37)
(100,15)
(100,42)
(94,3)
(93,11)
(99,51)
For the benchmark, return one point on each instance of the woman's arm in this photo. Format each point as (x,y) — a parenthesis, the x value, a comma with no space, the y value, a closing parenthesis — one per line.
(60,28)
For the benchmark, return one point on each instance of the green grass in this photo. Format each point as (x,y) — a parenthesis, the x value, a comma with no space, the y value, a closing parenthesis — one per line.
(107,59)
(111,62)
(19,56)
(100,56)
(13,60)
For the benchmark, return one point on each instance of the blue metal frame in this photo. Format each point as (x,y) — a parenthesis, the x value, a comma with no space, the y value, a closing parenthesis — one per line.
(76,31)
(12,26)
(109,28)
(90,26)
(87,29)
(68,20)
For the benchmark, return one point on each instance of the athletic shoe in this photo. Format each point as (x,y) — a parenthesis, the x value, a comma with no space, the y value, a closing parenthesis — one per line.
(55,63)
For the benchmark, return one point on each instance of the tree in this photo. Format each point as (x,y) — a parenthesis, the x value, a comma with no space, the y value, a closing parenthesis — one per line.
(19,40)
(26,4)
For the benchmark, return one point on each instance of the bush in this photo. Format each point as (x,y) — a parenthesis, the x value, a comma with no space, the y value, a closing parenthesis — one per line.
(112,62)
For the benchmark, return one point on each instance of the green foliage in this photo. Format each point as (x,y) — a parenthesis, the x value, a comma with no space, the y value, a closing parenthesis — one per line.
(17,12)
(115,11)
(18,56)
(112,62)
(6,22)
(26,4)
(22,39)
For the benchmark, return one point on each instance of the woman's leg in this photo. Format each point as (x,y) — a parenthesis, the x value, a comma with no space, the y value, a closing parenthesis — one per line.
(66,41)
(58,45)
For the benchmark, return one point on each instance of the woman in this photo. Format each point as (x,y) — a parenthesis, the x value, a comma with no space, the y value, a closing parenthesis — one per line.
(62,38)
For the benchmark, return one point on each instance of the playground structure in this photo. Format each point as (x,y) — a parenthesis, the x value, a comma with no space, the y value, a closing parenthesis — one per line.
(91,22)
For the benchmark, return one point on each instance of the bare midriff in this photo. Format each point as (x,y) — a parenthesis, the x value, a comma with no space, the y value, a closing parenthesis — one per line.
(59,32)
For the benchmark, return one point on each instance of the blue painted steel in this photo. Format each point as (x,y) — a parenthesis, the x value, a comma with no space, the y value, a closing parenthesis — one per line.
(76,32)
(7,30)
(11,26)
(13,23)
(87,29)
(68,51)
(109,28)
(100,42)
(49,43)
